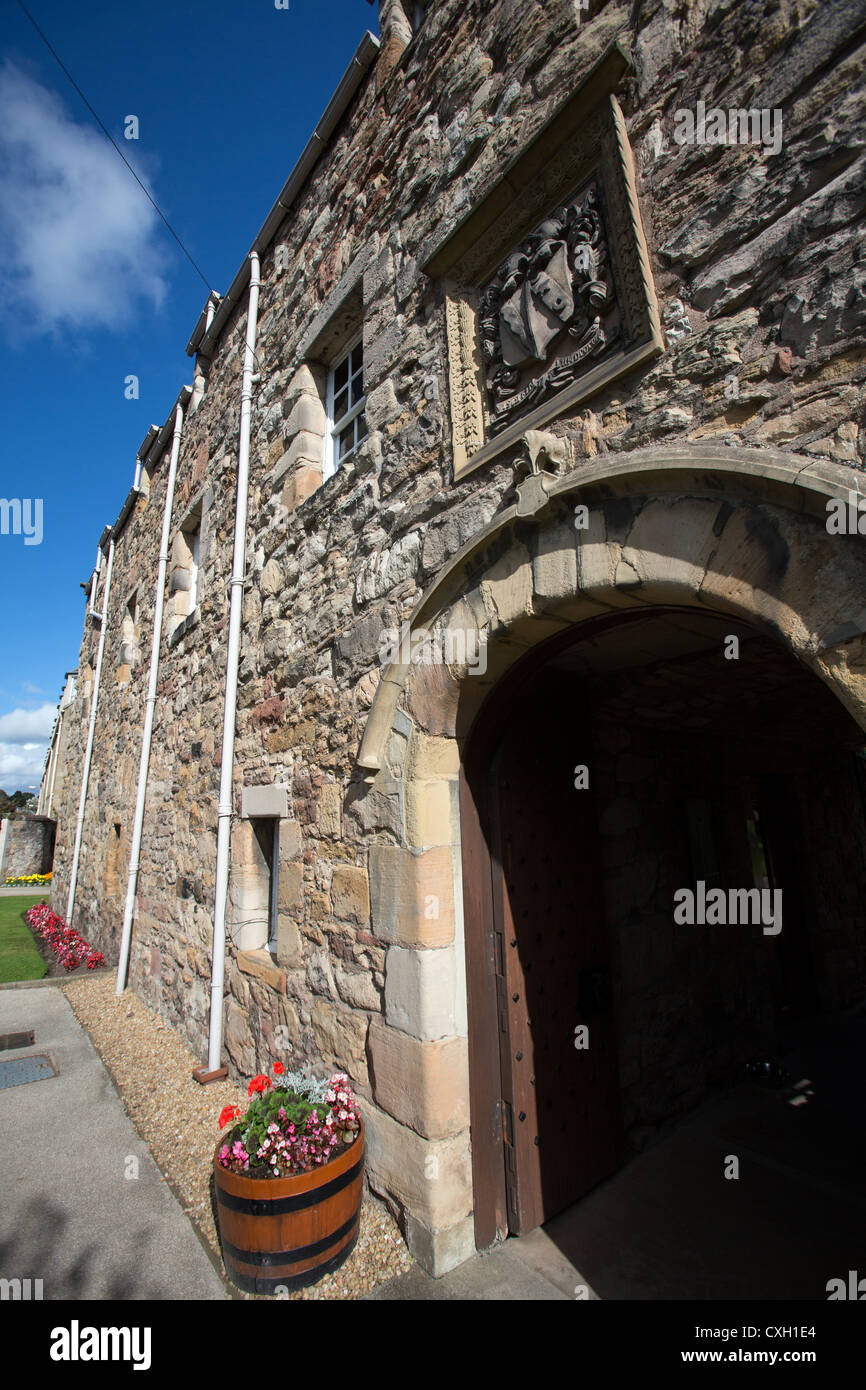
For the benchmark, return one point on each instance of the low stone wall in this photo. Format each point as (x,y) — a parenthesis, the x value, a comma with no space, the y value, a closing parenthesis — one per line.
(26,846)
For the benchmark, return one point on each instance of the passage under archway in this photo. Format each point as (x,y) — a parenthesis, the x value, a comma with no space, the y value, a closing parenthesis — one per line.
(662,919)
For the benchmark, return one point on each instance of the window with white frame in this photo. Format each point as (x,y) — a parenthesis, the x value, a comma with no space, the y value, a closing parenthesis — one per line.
(347,426)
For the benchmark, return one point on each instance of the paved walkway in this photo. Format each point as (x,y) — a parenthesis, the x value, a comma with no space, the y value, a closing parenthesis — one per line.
(69,1214)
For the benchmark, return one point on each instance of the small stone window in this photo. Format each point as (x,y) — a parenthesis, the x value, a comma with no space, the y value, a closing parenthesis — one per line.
(347,425)
(193,540)
(130,644)
(185,580)
(254,887)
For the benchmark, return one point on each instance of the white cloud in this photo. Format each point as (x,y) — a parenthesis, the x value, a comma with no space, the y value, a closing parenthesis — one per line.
(77,234)
(27,726)
(21,765)
(24,735)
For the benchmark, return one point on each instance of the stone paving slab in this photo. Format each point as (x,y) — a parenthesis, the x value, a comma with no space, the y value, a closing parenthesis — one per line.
(495,1276)
(69,1215)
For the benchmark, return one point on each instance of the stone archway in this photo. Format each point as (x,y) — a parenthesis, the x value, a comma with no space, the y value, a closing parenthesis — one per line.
(720,530)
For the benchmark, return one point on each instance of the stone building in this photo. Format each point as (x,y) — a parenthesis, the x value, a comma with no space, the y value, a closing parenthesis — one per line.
(539,398)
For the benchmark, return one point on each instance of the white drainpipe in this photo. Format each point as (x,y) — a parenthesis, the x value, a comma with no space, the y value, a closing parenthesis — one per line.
(150,702)
(70,902)
(224,810)
(49,802)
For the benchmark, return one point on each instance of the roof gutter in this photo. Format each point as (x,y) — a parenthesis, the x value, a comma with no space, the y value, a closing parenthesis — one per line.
(204,338)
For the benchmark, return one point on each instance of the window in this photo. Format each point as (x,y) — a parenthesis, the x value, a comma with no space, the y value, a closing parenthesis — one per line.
(416,14)
(129,639)
(185,581)
(193,539)
(347,425)
(254,884)
(268,835)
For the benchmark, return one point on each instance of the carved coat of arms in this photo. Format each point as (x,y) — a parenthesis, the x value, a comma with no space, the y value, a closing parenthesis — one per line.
(548,307)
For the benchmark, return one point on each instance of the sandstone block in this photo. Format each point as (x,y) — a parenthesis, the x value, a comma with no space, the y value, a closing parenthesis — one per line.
(441,1250)
(432,696)
(420,992)
(507,587)
(412,895)
(289,950)
(433,757)
(554,569)
(308,414)
(265,801)
(301,484)
(350,894)
(260,965)
(290,840)
(330,810)
(432,1179)
(422,1084)
(431,812)
(290,892)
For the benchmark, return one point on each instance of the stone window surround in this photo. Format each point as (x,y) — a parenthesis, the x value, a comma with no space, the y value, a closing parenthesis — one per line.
(252,894)
(130,645)
(264,808)
(336,326)
(585,139)
(185,587)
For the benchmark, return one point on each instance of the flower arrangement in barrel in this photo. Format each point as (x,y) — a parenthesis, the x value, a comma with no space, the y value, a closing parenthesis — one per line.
(294,1124)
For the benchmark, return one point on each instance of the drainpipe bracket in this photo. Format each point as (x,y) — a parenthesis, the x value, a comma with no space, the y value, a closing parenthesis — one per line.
(204,1077)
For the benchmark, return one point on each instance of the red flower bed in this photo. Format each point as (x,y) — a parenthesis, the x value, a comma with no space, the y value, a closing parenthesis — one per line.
(68,945)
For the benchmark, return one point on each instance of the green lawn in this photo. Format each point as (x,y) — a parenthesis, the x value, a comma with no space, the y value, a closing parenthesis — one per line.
(19,958)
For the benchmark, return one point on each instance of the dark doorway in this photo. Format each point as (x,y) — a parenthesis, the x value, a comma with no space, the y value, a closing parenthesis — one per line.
(595,1020)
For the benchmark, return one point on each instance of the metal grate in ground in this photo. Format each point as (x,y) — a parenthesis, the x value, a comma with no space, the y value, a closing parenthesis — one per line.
(18,1071)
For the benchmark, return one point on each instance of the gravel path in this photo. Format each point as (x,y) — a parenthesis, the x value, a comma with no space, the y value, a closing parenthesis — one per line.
(151,1066)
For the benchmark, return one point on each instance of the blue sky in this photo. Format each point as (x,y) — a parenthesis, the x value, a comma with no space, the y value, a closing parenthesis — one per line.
(92,286)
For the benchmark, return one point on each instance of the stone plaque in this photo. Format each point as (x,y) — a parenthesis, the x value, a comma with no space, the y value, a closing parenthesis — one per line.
(549,293)
(549,312)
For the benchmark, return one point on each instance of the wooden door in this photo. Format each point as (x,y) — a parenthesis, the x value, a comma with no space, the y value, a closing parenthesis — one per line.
(561,1117)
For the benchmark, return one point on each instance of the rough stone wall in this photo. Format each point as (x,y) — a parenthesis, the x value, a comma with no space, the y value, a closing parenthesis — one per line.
(755,259)
(28,847)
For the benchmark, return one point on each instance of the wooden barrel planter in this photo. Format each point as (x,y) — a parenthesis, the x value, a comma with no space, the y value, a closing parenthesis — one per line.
(291,1231)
